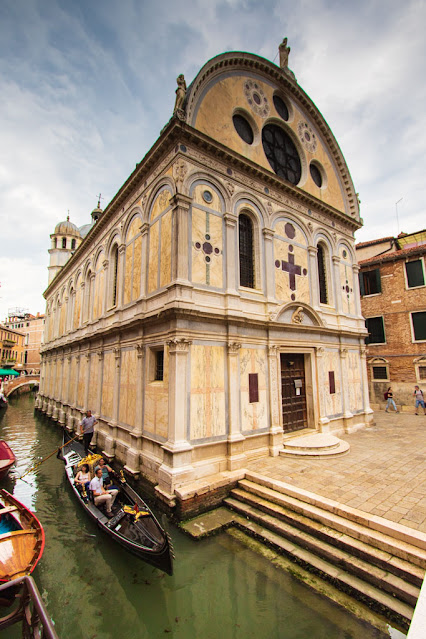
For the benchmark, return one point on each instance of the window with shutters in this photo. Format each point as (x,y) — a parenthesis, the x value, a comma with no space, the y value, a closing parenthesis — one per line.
(419,326)
(376,330)
(415,273)
(369,282)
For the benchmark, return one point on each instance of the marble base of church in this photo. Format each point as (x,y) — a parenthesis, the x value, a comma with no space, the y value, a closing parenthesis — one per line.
(186,477)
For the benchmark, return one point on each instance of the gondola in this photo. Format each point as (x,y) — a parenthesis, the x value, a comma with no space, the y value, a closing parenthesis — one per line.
(21,538)
(133,524)
(7,458)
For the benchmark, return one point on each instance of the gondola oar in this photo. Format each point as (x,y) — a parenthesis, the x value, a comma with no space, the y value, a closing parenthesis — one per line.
(56,451)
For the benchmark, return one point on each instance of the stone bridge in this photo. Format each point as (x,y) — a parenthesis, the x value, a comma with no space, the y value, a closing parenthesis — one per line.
(23,380)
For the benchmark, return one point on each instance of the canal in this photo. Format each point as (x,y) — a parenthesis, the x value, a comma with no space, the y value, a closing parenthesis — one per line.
(95,590)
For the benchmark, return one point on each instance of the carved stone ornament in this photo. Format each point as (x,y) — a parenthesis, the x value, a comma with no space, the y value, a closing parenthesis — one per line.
(256,98)
(231,188)
(272,350)
(117,354)
(139,350)
(179,172)
(100,355)
(234,347)
(179,345)
(307,136)
(298,315)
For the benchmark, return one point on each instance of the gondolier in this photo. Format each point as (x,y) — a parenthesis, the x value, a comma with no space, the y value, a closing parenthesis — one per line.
(87,429)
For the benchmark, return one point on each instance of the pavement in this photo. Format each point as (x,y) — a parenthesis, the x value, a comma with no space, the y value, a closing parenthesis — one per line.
(383,473)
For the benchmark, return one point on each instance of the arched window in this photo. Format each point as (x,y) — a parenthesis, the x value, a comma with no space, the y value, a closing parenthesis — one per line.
(114,259)
(64,242)
(72,245)
(322,275)
(246,252)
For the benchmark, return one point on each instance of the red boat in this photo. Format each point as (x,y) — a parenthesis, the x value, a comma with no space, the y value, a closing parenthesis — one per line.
(21,538)
(7,458)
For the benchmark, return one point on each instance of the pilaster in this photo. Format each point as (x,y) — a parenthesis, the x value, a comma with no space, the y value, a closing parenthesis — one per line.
(337,283)
(268,240)
(180,243)
(276,428)
(236,457)
(313,270)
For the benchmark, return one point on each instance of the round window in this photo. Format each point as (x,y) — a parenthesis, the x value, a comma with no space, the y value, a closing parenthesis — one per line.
(281,153)
(243,128)
(207,196)
(281,107)
(316,174)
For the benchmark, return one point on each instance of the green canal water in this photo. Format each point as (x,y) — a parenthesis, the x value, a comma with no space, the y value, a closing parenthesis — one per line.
(95,590)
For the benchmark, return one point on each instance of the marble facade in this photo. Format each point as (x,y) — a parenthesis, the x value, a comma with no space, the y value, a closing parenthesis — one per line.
(157,279)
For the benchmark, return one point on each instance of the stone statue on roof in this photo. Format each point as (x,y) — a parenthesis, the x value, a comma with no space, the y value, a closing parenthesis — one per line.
(284,53)
(180,93)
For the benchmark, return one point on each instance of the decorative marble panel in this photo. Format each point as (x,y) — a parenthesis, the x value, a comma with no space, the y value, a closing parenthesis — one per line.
(153,257)
(93,383)
(347,287)
(162,201)
(128,388)
(354,381)
(254,415)
(330,404)
(207,248)
(81,383)
(58,378)
(207,395)
(73,377)
(107,384)
(166,249)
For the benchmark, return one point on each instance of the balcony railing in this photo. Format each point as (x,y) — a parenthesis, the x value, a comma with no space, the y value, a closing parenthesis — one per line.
(23,598)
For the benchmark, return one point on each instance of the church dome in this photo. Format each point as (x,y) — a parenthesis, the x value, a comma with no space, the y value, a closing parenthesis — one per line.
(67,228)
(84,230)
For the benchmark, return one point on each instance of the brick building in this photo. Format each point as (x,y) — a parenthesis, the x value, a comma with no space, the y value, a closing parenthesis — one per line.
(393,301)
(32,326)
(12,348)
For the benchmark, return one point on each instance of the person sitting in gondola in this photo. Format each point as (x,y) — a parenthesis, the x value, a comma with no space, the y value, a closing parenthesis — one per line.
(83,477)
(107,471)
(100,495)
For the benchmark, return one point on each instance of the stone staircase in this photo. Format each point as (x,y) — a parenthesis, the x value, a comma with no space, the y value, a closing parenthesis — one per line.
(377,562)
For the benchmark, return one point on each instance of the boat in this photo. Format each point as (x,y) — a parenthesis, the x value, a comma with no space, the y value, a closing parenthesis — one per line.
(133,524)
(7,458)
(21,538)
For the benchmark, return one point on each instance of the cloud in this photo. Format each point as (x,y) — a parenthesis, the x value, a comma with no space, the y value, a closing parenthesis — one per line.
(86,88)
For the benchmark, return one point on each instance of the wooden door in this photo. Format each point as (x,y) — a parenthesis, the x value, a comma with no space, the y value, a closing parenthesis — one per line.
(293,379)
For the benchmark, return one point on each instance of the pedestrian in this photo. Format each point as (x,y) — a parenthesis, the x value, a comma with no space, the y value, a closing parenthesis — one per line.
(418,394)
(87,429)
(390,400)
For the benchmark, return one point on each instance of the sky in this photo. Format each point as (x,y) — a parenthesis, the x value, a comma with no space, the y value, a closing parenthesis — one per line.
(87,86)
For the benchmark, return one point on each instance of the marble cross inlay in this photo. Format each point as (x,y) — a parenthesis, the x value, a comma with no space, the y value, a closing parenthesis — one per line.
(291,268)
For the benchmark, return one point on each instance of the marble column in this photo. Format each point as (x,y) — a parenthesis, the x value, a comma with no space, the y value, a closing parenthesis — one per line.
(177,450)
(276,428)
(337,288)
(111,437)
(368,412)
(357,294)
(344,376)
(180,241)
(236,457)
(268,240)
(133,452)
(313,276)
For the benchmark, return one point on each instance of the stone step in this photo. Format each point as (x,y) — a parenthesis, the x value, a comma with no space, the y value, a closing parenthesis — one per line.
(338,558)
(374,597)
(314,445)
(338,539)
(346,520)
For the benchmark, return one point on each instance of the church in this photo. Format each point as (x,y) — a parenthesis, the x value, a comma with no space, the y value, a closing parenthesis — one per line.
(212,309)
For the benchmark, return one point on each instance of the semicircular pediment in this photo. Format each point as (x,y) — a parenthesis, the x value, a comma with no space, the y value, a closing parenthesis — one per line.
(297,313)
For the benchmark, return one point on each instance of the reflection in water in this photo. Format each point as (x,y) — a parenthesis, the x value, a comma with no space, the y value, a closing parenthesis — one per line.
(96,590)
